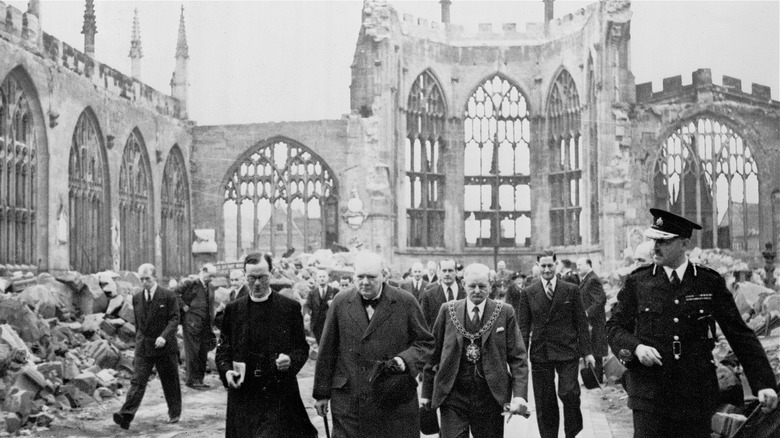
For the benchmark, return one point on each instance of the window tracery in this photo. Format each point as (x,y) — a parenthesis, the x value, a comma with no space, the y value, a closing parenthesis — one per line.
(497,193)
(425,124)
(135,205)
(175,229)
(707,172)
(281,196)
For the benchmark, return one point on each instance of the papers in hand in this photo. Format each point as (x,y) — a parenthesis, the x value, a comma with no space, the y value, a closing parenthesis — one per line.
(239,372)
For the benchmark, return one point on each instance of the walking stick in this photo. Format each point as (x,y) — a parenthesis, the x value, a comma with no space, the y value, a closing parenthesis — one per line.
(327,426)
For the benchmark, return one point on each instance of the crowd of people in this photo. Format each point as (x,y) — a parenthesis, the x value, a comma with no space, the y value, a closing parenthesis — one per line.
(469,335)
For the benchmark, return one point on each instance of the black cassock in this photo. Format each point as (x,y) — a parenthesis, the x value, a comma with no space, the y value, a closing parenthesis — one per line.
(268,404)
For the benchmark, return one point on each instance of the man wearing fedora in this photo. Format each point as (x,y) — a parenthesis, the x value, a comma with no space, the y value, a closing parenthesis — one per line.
(374,343)
(663,327)
(479,363)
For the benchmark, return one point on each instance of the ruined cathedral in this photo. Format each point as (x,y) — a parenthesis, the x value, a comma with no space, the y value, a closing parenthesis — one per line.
(478,145)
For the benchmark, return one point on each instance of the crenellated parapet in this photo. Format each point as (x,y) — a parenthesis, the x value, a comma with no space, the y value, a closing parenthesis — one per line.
(107,78)
(21,28)
(703,87)
(377,19)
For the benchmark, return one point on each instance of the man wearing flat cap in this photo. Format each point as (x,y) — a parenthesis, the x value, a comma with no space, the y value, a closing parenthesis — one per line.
(663,328)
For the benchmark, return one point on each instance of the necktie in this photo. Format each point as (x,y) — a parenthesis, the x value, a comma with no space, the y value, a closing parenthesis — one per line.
(675,279)
(449,294)
(370,303)
(475,318)
(549,290)
(322,293)
(232,295)
(147,296)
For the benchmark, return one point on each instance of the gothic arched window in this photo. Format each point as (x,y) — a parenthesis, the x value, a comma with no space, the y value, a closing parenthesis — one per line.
(425,120)
(279,197)
(135,205)
(593,127)
(566,190)
(18,172)
(175,222)
(90,246)
(497,191)
(706,172)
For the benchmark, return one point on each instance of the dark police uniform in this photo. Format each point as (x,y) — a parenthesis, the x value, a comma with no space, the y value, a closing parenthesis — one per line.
(679,322)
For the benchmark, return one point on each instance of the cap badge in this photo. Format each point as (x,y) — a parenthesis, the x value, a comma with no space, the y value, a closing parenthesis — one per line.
(659,222)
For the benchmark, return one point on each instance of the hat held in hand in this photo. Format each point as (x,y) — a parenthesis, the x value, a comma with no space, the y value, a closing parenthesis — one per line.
(391,387)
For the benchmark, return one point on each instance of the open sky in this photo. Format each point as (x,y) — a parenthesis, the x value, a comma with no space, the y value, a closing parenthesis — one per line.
(260,61)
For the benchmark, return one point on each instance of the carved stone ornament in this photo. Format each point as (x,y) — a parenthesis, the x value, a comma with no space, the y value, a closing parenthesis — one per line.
(353,214)
(376,20)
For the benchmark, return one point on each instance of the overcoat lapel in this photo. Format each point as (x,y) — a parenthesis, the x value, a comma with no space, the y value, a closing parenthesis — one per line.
(382,312)
(490,307)
(141,313)
(460,314)
(558,297)
(357,312)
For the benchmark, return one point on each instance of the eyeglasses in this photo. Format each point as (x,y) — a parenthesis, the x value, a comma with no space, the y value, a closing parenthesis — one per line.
(252,278)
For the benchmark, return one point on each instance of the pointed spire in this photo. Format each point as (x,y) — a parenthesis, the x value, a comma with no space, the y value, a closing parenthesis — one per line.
(136,53)
(182,50)
(89,29)
(135,39)
(445,11)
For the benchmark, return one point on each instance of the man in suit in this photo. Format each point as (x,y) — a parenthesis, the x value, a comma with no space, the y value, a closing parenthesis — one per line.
(318,301)
(477,341)
(238,289)
(663,327)
(415,285)
(196,298)
(430,276)
(263,332)
(157,318)
(439,293)
(551,316)
(369,324)
(593,300)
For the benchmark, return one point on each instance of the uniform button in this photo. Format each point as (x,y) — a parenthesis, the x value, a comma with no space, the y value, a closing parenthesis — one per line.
(676,320)
(676,338)
(676,301)
(647,309)
(701,310)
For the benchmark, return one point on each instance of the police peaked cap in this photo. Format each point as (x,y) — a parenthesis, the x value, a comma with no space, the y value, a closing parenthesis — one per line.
(668,225)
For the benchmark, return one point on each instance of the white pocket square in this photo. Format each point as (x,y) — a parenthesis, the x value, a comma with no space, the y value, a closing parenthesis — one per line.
(499,330)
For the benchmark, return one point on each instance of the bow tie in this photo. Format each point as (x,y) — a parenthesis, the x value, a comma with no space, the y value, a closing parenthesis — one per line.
(373,303)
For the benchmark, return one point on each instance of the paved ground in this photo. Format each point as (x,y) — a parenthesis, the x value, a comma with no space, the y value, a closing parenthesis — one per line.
(204,415)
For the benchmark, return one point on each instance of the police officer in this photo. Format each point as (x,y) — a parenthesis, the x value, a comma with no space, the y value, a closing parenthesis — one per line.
(662,327)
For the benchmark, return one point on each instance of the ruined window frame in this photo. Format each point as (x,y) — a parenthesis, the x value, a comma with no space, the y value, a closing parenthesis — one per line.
(136,205)
(691,157)
(298,175)
(566,158)
(423,146)
(505,132)
(175,234)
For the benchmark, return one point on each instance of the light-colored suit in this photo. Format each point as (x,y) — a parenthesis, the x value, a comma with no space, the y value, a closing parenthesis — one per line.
(349,348)
(502,350)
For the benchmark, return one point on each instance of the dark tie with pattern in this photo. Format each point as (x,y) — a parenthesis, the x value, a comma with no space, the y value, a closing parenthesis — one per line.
(475,318)
(675,279)
(549,290)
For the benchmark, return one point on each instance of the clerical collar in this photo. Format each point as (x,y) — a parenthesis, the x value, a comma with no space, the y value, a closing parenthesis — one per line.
(260,300)
(680,270)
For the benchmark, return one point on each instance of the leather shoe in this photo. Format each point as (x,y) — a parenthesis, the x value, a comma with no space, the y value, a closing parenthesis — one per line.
(197,385)
(174,420)
(121,420)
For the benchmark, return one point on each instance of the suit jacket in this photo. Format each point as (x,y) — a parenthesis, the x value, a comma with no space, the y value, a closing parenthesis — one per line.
(651,311)
(218,317)
(432,299)
(557,331)
(244,291)
(318,308)
(246,404)
(408,286)
(351,345)
(502,349)
(158,318)
(594,299)
(188,291)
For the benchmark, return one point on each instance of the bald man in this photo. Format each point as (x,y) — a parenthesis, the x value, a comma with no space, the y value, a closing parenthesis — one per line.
(478,364)
(415,285)
(372,322)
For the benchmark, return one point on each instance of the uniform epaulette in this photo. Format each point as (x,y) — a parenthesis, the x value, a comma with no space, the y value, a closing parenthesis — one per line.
(641,269)
(704,268)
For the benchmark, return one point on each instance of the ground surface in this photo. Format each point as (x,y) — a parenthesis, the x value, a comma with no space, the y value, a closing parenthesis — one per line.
(605,415)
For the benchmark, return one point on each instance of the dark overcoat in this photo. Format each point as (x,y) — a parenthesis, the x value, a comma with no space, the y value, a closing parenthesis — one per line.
(270,406)
(557,330)
(594,299)
(351,345)
(158,318)
(679,323)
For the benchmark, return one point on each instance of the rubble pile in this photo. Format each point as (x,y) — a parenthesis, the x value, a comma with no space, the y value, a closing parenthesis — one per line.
(65,343)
